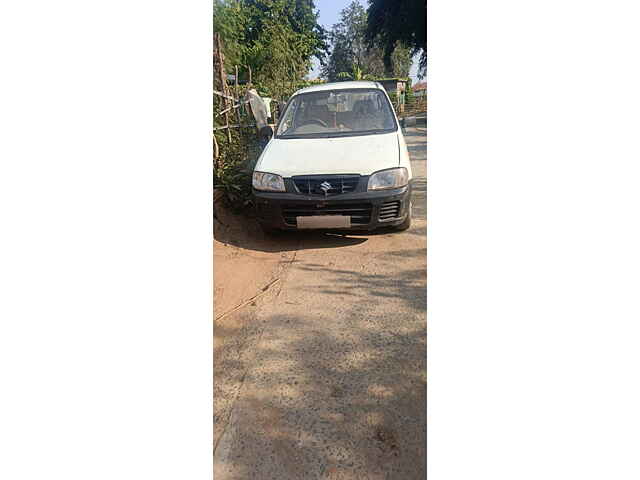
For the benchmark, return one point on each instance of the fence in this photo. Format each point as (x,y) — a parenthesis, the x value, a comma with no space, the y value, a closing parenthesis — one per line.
(227,103)
(417,106)
(232,108)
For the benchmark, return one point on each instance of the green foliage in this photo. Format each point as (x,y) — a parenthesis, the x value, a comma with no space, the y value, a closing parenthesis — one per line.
(275,38)
(398,21)
(232,175)
(357,74)
(284,92)
(347,39)
(409,97)
(400,60)
(350,52)
(393,96)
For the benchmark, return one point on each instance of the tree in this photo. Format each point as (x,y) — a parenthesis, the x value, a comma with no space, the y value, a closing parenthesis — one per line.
(351,57)
(348,42)
(357,74)
(276,38)
(400,61)
(393,21)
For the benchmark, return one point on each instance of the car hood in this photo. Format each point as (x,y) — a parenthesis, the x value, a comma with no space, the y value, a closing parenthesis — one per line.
(362,154)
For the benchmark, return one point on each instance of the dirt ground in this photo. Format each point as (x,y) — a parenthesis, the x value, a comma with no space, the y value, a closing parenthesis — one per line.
(320,349)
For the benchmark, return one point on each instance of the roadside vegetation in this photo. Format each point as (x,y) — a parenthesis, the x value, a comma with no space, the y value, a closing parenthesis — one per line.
(276,39)
(390,22)
(269,46)
(352,58)
(272,42)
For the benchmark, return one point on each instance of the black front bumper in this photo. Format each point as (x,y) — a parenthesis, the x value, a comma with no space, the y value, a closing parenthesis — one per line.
(368,210)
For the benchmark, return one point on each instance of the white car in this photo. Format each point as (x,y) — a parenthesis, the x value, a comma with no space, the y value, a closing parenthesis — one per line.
(338,160)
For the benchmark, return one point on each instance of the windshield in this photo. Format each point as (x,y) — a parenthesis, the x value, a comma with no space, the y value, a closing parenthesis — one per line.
(337,113)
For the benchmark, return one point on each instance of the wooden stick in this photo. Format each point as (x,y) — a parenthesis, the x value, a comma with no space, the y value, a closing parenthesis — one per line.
(220,94)
(236,67)
(237,96)
(223,82)
(233,107)
(224,127)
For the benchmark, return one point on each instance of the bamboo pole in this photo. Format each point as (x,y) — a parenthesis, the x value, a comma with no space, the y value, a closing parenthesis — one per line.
(216,150)
(220,94)
(233,107)
(236,79)
(237,95)
(223,82)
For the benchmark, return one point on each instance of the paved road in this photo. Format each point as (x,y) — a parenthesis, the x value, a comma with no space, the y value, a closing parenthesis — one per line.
(325,376)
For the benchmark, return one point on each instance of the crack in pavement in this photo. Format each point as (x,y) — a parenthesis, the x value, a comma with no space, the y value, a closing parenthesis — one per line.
(281,281)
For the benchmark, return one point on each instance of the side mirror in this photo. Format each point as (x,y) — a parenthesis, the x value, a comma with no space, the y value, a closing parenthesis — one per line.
(402,123)
(266,132)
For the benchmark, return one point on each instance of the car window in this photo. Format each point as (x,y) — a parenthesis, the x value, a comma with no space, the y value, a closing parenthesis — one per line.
(337,112)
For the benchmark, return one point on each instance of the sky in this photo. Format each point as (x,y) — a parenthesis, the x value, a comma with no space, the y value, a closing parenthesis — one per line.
(329,15)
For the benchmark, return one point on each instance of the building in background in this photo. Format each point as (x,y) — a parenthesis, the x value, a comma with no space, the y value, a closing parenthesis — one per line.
(420,89)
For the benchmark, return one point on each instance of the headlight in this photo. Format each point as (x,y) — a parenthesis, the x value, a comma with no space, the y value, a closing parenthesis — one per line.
(392,178)
(268,181)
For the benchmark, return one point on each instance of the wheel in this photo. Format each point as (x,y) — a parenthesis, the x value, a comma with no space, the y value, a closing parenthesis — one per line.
(407,222)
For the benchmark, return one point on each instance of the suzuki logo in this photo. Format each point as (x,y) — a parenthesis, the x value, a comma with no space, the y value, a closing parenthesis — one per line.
(325,186)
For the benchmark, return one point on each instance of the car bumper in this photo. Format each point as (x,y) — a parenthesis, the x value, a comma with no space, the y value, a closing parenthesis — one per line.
(368,210)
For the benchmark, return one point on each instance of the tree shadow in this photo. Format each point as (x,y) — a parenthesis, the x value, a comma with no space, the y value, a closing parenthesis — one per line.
(338,392)
(329,412)
(406,287)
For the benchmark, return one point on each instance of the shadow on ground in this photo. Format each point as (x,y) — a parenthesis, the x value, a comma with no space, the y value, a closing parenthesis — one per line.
(337,396)
(244,232)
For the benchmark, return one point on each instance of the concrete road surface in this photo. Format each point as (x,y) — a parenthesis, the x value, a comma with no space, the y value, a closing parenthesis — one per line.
(323,376)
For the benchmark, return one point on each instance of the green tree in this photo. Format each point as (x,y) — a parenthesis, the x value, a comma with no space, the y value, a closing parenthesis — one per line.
(409,97)
(390,22)
(230,20)
(351,56)
(400,61)
(276,38)
(357,74)
(348,42)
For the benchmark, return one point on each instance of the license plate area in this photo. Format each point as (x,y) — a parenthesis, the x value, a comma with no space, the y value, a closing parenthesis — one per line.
(324,221)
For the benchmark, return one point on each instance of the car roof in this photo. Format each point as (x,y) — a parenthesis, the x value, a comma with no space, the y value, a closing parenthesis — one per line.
(339,86)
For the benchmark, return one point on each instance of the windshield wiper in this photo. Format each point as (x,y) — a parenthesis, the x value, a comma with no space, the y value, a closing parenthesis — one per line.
(338,134)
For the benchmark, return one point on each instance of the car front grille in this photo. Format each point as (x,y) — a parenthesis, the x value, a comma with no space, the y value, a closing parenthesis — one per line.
(360,213)
(389,210)
(326,185)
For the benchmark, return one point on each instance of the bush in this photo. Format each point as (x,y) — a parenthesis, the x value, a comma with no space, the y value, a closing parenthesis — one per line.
(393,96)
(409,98)
(232,174)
